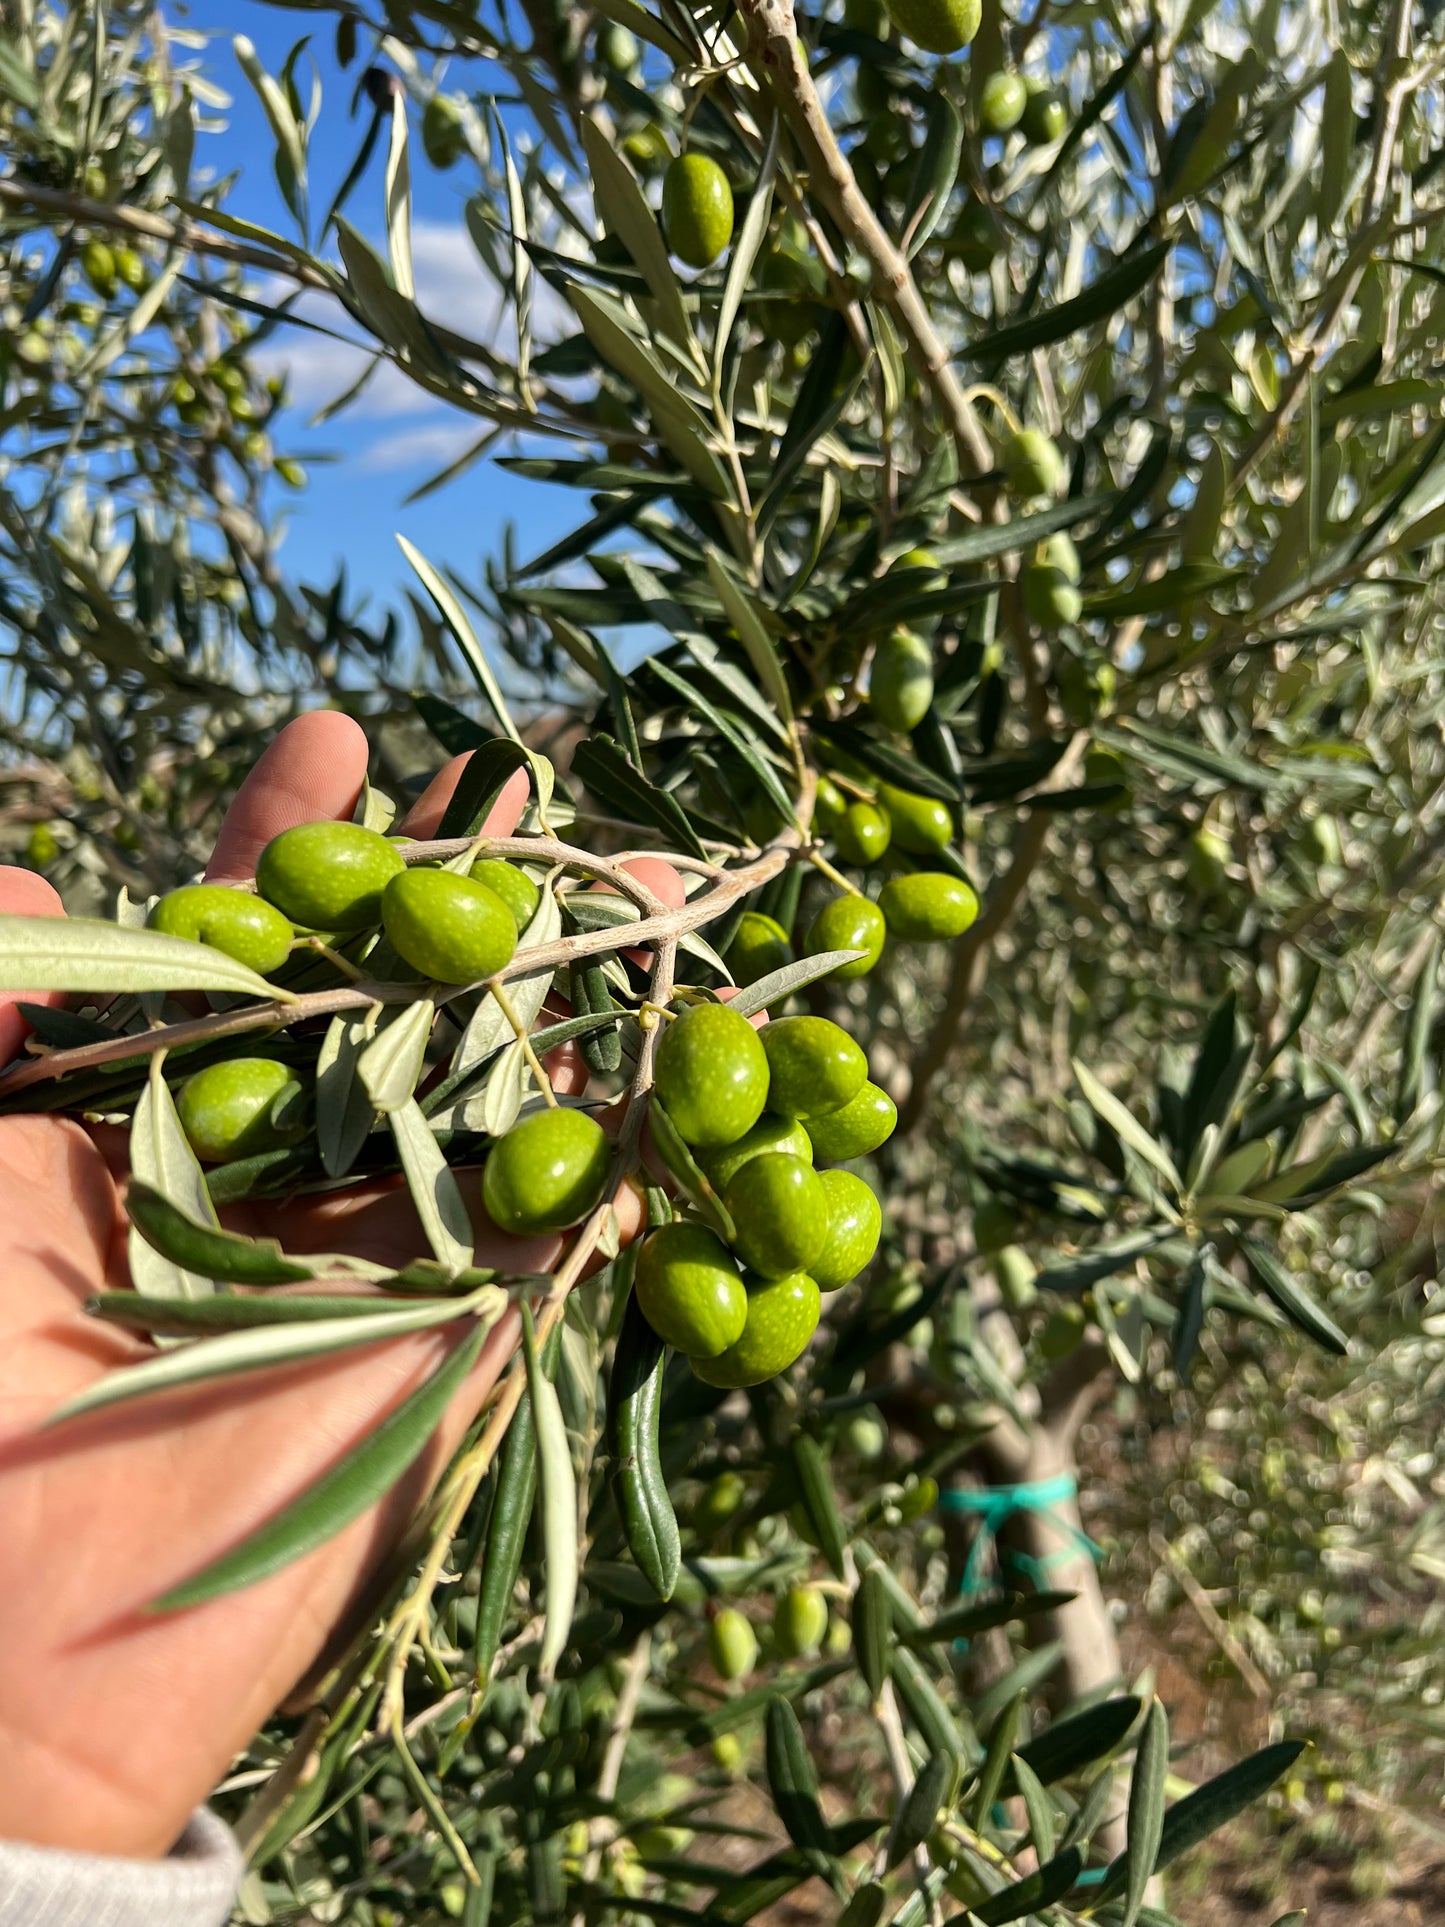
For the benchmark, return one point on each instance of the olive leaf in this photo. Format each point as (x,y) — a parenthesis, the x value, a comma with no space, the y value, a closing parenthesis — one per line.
(204,1248)
(505,1088)
(83,953)
(463,634)
(433,1186)
(557,1479)
(489,1025)
(161,1157)
(390,1066)
(344,1111)
(779,984)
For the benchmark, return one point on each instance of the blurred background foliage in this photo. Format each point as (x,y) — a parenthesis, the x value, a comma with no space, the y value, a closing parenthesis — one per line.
(1206,814)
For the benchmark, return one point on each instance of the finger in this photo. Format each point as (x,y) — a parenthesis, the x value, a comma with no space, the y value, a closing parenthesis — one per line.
(24,894)
(313,770)
(665,883)
(424,817)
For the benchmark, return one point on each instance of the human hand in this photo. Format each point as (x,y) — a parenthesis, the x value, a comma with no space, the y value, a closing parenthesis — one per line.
(115,1723)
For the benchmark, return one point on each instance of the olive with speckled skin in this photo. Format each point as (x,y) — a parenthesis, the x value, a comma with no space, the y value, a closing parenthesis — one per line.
(448,927)
(513,886)
(814,1066)
(690,1290)
(697,209)
(860,1126)
(849,922)
(769,1134)
(782,1316)
(780,1215)
(245,927)
(225,1110)
(711,1074)
(855,1221)
(928,906)
(328,876)
(938,26)
(546,1173)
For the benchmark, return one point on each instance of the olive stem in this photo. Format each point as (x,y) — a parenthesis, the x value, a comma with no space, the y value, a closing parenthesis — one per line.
(333,957)
(820,862)
(1000,401)
(519,1031)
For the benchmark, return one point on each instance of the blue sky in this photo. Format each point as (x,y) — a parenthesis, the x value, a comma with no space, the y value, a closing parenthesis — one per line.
(396,436)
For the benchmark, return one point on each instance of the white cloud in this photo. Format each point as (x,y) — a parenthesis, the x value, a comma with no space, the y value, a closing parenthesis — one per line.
(432,443)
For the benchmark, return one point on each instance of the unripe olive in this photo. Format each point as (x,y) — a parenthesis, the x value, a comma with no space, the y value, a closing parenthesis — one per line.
(1062,1331)
(1001,103)
(97,260)
(1104,766)
(855,1221)
(830,804)
(780,1215)
(1049,596)
(546,1173)
(922,559)
(290,472)
(727,1752)
(722,1499)
(814,1066)
(769,1134)
(1059,552)
(226,1109)
(921,824)
(657,1842)
(760,946)
(243,926)
(866,1436)
(647,148)
(900,682)
(689,1289)
(1324,836)
(782,1316)
(1045,117)
(447,927)
(42,847)
(1015,1272)
(1033,465)
(328,876)
(849,922)
(711,1074)
(862,834)
(513,886)
(732,1644)
(1208,860)
(697,209)
(860,1126)
(442,137)
(994,1225)
(617,48)
(927,906)
(938,26)
(800,1620)
(131,268)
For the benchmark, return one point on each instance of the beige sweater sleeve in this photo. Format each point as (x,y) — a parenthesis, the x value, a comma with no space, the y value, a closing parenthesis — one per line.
(193,1887)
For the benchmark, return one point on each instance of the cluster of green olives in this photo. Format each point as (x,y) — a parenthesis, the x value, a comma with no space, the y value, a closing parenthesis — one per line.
(757,1107)
(1008,100)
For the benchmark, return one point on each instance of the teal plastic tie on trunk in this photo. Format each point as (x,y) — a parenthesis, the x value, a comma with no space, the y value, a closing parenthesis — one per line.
(993,1505)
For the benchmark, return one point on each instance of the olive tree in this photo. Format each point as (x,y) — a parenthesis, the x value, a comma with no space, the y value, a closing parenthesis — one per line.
(1024,467)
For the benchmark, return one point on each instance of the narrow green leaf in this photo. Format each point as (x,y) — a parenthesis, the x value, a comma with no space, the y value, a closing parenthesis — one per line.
(995,1761)
(934,171)
(626,214)
(489,768)
(1415,1054)
(815,1483)
(872,1629)
(1146,1810)
(391,1065)
(398,200)
(489,1028)
(1291,1297)
(161,1157)
(85,953)
(613,780)
(1210,1807)
(1127,1126)
(1037,1805)
(465,637)
(781,984)
(748,240)
(1113,290)
(750,630)
(433,1187)
(920,1810)
(793,1780)
(201,1246)
(364,1475)
(344,1112)
(558,1481)
(240,1311)
(1032,1894)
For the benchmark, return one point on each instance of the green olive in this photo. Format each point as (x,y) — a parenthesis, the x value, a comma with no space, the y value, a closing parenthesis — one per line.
(782,1316)
(226,1110)
(1208,863)
(800,1620)
(900,682)
(855,1222)
(513,886)
(863,1123)
(443,137)
(1049,596)
(814,1066)
(862,834)
(1033,465)
(921,558)
(1015,1271)
(768,1134)
(1062,1331)
(1001,103)
(690,1290)
(1045,116)
(759,947)
(97,261)
(328,876)
(732,1644)
(131,268)
(721,1500)
(927,906)
(780,1213)
(646,147)
(711,1074)
(547,1172)
(243,926)
(42,846)
(617,48)
(830,804)
(921,824)
(448,927)
(849,922)
(938,26)
(697,209)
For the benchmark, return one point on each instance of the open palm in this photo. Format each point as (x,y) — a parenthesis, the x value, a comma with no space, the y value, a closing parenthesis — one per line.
(114,1722)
